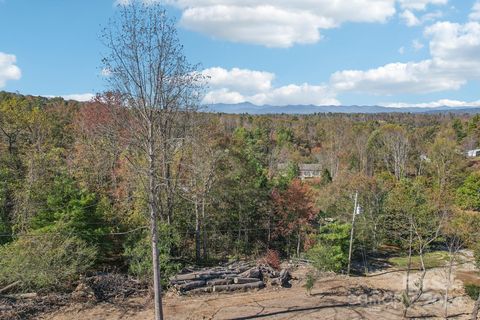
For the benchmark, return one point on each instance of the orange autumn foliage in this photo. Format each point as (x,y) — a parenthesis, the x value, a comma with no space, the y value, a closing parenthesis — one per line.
(294,208)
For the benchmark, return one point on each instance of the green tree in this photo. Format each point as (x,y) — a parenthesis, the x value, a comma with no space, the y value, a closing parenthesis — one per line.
(468,195)
(138,257)
(330,253)
(70,210)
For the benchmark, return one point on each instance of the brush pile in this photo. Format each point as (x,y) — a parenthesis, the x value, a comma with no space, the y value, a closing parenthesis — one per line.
(236,276)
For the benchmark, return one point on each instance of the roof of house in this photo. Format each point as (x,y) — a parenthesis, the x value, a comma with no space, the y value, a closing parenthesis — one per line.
(302,166)
(310,166)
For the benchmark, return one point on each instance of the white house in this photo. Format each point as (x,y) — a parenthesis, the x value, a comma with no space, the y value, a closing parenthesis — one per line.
(306,170)
(473,153)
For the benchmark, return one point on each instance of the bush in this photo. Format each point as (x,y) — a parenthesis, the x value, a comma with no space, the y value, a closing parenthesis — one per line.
(327,257)
(473,291)
(331,251)
(139,254)
(310,282)
(45,261)
(272,258)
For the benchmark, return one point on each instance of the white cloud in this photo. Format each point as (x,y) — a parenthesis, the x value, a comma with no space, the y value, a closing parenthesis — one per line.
(284,23)
(417,45)
(456,48)
(243,85)
(223,95)
(8,69)
(475,14)
(410,18)
(79,97)
(243,80)
(395,78)
(82,97)
(455,59)
(433,104)
(420,4)
(431,16)
(303,94)
(277,23)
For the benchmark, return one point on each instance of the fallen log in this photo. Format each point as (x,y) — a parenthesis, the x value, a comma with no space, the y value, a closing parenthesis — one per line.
(283,279)
(201,290)
(244,280)
(238,287)
(202,275)
(241,269)
(191,285)
(217,282)
(10,286)
(31,295)
(252,273)
(212,275)
(183,277)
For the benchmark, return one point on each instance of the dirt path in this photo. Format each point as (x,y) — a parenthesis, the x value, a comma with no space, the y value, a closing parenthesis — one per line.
(333,297)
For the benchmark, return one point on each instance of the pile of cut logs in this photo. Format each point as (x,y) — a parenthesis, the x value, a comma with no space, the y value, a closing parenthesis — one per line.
(236,276)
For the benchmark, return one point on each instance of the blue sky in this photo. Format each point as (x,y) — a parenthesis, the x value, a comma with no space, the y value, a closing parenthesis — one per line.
(365,52)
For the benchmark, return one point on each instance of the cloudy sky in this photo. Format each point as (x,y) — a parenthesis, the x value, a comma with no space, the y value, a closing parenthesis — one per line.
(278,52)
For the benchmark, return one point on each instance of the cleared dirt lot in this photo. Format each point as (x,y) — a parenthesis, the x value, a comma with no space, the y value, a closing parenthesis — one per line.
(333,297)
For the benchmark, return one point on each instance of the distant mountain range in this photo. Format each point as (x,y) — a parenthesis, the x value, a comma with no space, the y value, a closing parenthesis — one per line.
(250,108)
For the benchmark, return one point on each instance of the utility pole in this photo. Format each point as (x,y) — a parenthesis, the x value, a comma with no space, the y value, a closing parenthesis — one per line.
(355,206)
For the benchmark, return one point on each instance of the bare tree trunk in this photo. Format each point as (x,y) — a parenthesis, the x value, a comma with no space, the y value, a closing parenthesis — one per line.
(157,286)
(197,232)
(406,298)
(447,287)
(352,231)
(168,182)
(422,277)
(454,245)
(205,244)
(299,239)
(269,232)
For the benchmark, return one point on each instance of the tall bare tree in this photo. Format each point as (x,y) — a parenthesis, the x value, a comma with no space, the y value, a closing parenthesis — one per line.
(392,144)
(148,69)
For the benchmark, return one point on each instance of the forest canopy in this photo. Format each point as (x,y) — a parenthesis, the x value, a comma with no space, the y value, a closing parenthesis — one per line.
(68,189)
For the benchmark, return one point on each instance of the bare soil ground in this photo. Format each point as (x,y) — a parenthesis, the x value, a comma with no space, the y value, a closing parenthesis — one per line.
(333,297)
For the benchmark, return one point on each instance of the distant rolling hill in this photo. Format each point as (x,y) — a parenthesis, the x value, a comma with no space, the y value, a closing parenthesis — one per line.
(310,109)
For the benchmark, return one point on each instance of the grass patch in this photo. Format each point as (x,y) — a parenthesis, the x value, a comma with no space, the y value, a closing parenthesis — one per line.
(431,259)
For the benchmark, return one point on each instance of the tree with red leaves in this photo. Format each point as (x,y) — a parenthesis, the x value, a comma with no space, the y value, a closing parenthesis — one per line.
(294,210)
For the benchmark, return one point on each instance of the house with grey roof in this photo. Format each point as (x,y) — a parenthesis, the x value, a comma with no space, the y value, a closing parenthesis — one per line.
(305,170)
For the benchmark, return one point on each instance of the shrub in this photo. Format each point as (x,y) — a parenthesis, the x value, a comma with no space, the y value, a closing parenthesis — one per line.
(45,261)
(272,258)
(473,291)
(138,252)
(310,282)
(327,257)
(330,253)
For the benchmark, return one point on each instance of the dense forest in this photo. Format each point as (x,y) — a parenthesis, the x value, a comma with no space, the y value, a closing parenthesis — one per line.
(71,200)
